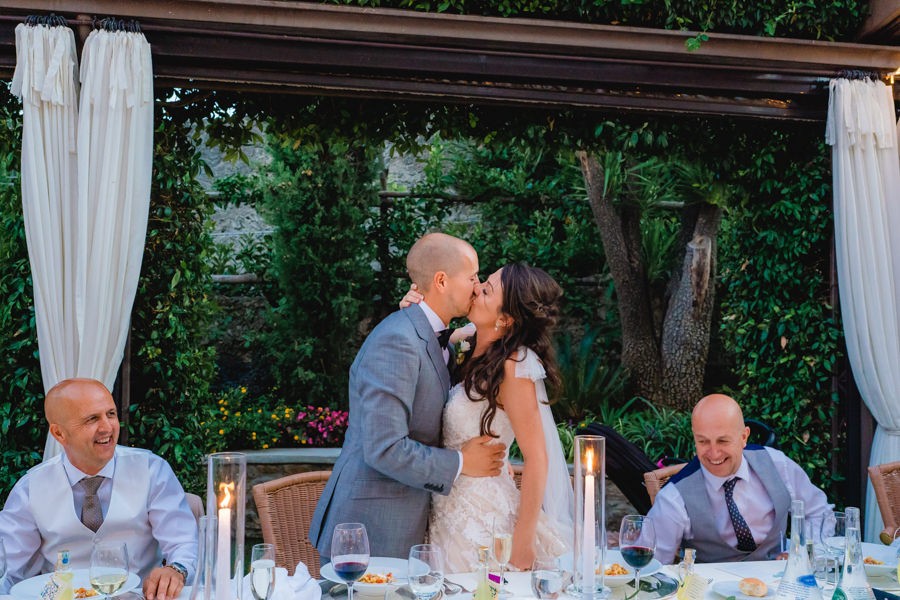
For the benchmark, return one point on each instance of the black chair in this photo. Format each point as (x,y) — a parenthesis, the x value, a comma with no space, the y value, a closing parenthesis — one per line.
(762,434)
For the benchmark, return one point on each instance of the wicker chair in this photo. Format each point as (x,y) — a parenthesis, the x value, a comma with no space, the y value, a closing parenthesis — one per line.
(285,509)
(654,480)
(886,483)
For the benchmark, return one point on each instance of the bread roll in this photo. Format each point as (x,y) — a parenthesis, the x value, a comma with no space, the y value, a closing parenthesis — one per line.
(752,586)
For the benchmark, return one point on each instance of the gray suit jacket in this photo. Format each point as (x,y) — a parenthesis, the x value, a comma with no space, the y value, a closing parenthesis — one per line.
(391,460)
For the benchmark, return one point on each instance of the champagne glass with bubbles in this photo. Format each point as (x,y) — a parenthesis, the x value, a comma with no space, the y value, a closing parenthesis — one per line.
(637,543)
(501,548)
(262,571)
(426,570)
(350,553)
(109,567)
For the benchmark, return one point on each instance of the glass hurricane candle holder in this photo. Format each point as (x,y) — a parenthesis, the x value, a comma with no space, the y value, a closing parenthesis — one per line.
(590,518)
(226,499)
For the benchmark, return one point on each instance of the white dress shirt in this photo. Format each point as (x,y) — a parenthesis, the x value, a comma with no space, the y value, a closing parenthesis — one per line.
(670,516)
(169,516)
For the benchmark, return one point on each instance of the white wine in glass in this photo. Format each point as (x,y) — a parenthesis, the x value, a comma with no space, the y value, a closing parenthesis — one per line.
(262,571)
(501,547)
(109,567)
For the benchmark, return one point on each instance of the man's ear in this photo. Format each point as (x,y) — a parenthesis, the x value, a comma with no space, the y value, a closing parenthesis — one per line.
(439,280)
(57,432)
(746,436)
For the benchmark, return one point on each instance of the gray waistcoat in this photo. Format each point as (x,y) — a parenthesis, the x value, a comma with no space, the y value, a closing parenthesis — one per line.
(710,547)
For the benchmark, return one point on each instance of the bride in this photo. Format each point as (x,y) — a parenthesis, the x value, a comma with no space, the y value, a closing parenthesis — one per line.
(501,393)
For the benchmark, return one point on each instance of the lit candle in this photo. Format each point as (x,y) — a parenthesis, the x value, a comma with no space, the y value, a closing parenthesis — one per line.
(223,547)
(587,550)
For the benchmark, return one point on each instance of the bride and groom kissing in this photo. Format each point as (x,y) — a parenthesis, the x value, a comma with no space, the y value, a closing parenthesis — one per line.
(421,458)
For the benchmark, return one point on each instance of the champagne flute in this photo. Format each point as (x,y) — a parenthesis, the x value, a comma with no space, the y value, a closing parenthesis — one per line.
(501,548)
(109,567)
(262,571)
(637,543)
(350,553)
(426,570)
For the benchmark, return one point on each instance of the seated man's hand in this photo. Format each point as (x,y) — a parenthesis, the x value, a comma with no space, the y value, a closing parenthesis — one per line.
(163,583)
(482,457)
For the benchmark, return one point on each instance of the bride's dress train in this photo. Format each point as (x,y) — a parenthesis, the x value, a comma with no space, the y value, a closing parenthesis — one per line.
(462,521)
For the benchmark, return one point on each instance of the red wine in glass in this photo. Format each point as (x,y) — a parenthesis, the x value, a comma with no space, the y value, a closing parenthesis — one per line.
(637,543)
(350,553)
(637,556)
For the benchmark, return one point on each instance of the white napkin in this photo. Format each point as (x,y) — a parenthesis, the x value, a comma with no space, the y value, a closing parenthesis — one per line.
(299,586)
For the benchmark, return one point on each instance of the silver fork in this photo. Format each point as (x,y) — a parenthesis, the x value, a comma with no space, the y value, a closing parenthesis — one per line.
(451,588)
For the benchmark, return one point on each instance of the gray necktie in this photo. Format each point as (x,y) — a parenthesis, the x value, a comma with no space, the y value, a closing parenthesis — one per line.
(91,512)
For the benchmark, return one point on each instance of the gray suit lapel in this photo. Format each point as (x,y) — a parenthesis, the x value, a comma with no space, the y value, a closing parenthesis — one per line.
(432,347)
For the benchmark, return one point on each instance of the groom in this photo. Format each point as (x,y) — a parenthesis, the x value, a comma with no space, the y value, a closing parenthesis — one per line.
(392,457)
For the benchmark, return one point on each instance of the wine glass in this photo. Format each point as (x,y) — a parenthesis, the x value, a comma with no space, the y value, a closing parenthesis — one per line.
(547,578)
(350,553)
(109,567)
(501,548)
(426,570)
(833,536)
(637,543)
(262,571)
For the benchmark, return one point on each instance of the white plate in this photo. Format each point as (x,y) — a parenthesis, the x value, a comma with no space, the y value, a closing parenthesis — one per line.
(614,556)
(382,565)
(31,588)
(730,588)
(885,554)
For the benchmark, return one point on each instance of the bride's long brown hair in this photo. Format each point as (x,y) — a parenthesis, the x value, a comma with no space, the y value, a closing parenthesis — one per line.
(531,298)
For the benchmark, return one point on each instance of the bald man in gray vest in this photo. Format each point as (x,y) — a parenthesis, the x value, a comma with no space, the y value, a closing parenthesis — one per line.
(731,502)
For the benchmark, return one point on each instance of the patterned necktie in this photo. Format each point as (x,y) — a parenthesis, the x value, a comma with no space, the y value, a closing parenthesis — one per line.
(744,537)
(91,513)
(443,337)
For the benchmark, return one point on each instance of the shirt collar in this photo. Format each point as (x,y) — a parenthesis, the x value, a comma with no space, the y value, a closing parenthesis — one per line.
(433,319)
(743,472)
(75,474)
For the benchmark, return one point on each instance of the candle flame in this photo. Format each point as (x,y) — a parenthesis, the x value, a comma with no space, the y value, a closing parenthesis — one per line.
(589,460)
(226,489)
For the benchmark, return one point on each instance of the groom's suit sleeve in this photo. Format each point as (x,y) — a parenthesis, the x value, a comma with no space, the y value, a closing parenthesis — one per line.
(400,396)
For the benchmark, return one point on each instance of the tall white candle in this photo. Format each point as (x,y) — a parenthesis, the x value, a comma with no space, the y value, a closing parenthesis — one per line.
(589,542)
(223,547)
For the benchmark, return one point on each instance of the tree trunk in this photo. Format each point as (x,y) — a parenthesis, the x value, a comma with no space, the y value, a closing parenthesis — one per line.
(666,367)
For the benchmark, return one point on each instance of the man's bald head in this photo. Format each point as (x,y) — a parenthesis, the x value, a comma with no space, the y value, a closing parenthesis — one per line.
(83,419)
(719,434)
(434,253)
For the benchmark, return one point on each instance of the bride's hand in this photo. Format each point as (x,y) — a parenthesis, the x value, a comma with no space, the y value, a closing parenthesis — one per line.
(412,296)
(522,556)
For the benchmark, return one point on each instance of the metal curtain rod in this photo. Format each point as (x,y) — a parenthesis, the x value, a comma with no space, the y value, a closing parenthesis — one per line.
(51,20)
(114,24)
(858,74)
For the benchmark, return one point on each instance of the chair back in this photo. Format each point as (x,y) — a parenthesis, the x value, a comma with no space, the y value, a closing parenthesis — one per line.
(654,480)
(886,483)
(196,504)
(285,508)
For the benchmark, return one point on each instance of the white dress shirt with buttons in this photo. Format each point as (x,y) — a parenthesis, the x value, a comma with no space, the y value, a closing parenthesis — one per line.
(671,521)
(169,518)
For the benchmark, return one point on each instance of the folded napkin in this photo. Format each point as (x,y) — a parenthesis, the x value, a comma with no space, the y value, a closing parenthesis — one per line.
(299,586)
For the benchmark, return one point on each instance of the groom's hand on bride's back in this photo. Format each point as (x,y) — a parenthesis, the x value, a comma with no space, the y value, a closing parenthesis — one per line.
(482,457)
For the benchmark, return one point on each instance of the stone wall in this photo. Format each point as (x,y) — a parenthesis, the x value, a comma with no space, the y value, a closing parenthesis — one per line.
(264,465)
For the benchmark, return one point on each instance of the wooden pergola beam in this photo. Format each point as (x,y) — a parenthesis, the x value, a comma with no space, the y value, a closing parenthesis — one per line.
(306,48)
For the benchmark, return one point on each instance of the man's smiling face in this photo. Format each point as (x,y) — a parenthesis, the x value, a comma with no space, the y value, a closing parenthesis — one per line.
(719,435)
(83,418)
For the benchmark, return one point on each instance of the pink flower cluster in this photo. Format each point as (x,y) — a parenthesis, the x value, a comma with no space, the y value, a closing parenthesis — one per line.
(322,426)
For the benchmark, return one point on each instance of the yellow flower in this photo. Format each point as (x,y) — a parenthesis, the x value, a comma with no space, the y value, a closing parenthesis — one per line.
(221,432)
(296,438)
(243,390)
(259,410)
(254,435)
(274,416)
(265,446)
(237,414)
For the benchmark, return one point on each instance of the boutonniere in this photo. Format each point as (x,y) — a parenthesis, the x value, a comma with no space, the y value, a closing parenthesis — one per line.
(462,348)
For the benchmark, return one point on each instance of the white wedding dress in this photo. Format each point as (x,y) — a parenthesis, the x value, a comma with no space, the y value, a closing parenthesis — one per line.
(462,521)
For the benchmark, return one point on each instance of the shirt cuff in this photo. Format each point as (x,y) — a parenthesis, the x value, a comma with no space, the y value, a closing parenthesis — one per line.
(459,470)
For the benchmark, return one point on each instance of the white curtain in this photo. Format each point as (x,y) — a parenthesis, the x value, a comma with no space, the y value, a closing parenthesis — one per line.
(866,174)
(85,193)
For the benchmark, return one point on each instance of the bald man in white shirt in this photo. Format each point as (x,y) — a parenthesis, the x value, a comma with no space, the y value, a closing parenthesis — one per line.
(98,491)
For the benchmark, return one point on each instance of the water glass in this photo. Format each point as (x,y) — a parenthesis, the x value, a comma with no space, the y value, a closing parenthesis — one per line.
(426,570)
(833,537)
(109,567)
(262,571)
(547,578)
